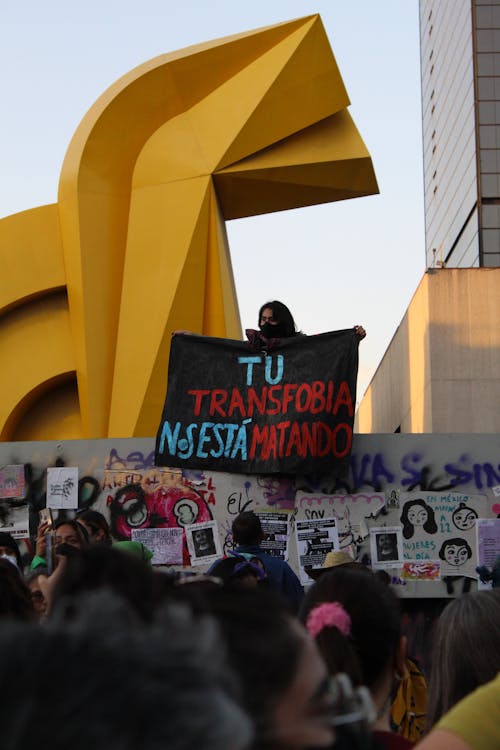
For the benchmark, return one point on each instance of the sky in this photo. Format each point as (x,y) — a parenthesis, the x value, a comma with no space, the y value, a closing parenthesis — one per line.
(335,265)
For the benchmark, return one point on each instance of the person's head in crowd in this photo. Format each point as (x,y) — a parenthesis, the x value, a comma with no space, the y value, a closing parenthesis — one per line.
(417,514)
(276,320)
(355,620)
(70,532)
(15,599)
(105,682)
(96,567)
(284,680)
(466,650)
(247,529)
(96,525)
(237,571)
(37,596)
(9,549)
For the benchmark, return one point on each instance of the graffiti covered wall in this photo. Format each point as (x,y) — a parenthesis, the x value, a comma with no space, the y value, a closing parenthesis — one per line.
(457,477)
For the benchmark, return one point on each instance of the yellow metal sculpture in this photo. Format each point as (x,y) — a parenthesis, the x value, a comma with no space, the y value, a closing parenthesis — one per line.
(136,245)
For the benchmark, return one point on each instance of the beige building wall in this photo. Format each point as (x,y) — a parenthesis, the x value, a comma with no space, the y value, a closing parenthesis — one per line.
(441,371)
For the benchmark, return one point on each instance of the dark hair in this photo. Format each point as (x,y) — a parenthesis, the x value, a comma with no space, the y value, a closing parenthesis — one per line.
(466,650)
(96,567)
(15,597)
(282,315)
(233,570)
(374,611)
(7,540)
(114,677)
(247,528)
(459,543)
(263,646)
(430,526)
(96,521)
(80,530)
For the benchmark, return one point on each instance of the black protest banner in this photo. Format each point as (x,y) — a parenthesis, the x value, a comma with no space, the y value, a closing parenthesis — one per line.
(288,411)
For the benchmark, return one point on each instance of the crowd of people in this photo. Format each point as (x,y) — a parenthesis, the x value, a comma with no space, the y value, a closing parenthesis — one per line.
(106,651)
(98,649)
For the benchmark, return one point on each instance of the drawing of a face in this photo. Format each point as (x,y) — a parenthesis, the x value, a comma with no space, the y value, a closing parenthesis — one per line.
(417,515)
(456,554)
(464,518)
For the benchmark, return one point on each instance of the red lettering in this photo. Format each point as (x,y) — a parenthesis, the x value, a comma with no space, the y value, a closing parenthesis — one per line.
(281,427)
(260,437)
(294,441)
(198,395)
(274,400)
(271,446)
(308,439)
(323,448)
(218,398)
(344,398)
(329,396)
(318,397)
(341,452)
(287,395)
(253,401)
(236,402)
(304,388)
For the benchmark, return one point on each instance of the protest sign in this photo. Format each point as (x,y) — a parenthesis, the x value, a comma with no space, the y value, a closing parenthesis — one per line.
(284,411)
(488,545)
(386,545)
(315,539)
(62,487)
(276,534)
(165,544)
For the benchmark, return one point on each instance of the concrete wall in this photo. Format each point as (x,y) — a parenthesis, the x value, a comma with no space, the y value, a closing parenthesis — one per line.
(380,464)
(441,371)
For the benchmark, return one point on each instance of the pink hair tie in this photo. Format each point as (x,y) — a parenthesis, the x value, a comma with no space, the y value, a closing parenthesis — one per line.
(328,615)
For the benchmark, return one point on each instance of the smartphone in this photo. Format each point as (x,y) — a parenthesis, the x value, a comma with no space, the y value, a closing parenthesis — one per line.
(45,516)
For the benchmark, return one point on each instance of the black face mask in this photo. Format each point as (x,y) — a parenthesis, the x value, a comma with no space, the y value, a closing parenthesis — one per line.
(276,331)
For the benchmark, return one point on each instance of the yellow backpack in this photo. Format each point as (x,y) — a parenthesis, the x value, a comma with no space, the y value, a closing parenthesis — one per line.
(409,708)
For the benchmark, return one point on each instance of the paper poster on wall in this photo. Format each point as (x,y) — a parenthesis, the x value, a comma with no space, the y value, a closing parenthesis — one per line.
(386,547)
(276,529)
(165,544)
(12,481)
(351,513)
(315,538)
(488,546)
(203,543)
(14,518)
(442,526)
(62,487)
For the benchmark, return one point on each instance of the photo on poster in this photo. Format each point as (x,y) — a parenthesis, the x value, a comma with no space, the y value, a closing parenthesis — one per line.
(315,538)
(62,487)
(276,533)
(488,549)
(386,547)
(203,543)
(164,543)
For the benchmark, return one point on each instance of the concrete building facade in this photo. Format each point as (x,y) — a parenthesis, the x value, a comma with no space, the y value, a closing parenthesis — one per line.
(460,63)
(441,371)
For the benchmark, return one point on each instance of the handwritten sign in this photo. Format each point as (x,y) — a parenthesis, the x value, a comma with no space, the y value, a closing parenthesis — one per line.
(285,411)
(62,487)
